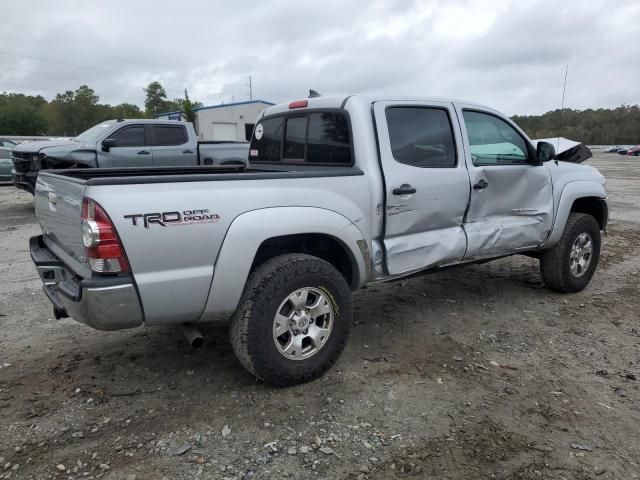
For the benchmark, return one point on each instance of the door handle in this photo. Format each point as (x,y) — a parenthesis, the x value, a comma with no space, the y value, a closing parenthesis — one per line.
(481,185)
(143,152)
(187,151)
(404,189)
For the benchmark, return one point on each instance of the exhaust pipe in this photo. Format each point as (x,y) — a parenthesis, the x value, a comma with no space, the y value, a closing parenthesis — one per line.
(193,336)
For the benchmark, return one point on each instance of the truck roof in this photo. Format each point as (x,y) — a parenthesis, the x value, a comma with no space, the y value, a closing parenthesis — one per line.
(340,101)
(144,120)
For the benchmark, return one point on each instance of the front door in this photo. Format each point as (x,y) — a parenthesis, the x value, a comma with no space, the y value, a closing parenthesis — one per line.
(427,184)
(132,149)
(511,203)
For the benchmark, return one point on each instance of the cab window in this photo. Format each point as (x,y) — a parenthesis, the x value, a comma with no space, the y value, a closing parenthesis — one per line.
(169,135)
(421,137)
(313,138)
(493,141)
(130,136)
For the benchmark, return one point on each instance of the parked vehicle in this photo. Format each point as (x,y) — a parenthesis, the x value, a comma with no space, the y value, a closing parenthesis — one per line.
(613,149)
(7,144)
(340,192)
(635,151)
(623,150)
(6,164)
(124,143)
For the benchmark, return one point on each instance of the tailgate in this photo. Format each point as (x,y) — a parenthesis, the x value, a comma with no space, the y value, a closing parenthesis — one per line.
(58,206)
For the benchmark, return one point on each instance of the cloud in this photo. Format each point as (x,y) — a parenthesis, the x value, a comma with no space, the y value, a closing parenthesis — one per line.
(508,54)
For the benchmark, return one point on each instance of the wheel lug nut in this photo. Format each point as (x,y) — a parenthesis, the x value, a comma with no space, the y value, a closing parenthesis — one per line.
(306,330)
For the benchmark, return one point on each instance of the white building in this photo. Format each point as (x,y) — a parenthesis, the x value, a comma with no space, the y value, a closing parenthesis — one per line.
(230,121)
(227,121)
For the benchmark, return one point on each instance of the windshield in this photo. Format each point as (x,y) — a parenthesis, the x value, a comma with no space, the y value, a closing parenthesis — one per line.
(94,133)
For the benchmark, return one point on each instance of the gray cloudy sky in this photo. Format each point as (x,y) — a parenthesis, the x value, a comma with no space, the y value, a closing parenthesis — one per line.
(509,54)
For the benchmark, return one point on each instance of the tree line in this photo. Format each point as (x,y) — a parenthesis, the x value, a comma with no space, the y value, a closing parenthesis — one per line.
(72,112)
(617,126)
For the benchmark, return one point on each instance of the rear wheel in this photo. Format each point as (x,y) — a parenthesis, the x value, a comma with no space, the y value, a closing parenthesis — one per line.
(293,320)
(569,265)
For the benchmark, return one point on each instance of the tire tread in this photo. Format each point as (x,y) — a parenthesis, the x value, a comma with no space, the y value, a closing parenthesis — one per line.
(265,281)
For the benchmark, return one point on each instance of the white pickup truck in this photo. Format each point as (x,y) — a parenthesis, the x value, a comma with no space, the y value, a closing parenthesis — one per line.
(340,192)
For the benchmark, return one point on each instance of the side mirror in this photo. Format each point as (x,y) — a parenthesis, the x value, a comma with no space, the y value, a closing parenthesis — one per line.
(108,143)
(545,152)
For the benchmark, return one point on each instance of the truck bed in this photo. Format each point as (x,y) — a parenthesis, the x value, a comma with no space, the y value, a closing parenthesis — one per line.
(137,175)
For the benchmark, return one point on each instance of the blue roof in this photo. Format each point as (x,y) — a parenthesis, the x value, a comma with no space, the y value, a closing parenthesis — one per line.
(234,104)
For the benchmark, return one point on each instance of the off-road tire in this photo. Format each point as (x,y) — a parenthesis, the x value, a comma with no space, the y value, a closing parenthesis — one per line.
(252,324)
(554,262)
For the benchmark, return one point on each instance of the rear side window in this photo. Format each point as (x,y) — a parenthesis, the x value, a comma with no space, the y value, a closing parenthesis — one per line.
(169,135)
(316,138)
(421,137)
(130,136)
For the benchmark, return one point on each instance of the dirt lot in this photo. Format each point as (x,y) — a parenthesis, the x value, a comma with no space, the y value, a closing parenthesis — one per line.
(470,374)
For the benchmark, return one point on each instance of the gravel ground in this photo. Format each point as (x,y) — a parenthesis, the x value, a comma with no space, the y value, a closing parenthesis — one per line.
(469,374)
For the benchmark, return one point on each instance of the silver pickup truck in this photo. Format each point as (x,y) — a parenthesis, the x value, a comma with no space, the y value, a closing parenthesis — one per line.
(340,192)
(124,143)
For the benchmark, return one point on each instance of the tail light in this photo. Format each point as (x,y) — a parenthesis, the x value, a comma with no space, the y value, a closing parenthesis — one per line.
(101,242)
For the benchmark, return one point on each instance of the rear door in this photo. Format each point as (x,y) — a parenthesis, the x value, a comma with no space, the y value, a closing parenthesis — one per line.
(426,181)
(132,149)
(511,206)
(171,146)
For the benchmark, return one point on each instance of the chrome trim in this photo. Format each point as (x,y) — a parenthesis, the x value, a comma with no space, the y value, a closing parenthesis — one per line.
(107,308)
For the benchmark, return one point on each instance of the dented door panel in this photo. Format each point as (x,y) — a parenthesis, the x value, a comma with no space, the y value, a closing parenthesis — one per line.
(511,207)
(514,211)
(424,228)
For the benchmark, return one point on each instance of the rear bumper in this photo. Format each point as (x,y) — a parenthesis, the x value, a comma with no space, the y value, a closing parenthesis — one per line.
(104,303)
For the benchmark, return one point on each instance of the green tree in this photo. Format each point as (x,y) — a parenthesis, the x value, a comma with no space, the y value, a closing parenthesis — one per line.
(72,112)
(126,110)
(156,100)
(188,108)
(619,126)
(22,115)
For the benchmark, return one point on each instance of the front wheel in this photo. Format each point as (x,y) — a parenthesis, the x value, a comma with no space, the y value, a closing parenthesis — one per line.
(570,264)
(293,320)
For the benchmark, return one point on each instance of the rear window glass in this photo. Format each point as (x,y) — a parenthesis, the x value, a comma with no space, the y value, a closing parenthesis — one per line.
(167,135)
(315,138)
(295,138)
(266,144)
(329,140)
(421,137)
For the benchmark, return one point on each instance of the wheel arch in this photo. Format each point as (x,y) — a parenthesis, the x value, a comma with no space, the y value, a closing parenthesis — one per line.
(580,196)
(259,235)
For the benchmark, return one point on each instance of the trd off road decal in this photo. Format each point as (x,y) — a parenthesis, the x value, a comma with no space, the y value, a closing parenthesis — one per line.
(173,219)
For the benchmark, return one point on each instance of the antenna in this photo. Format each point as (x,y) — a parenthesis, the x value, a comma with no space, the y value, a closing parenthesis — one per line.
(564,90)
(250,89)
